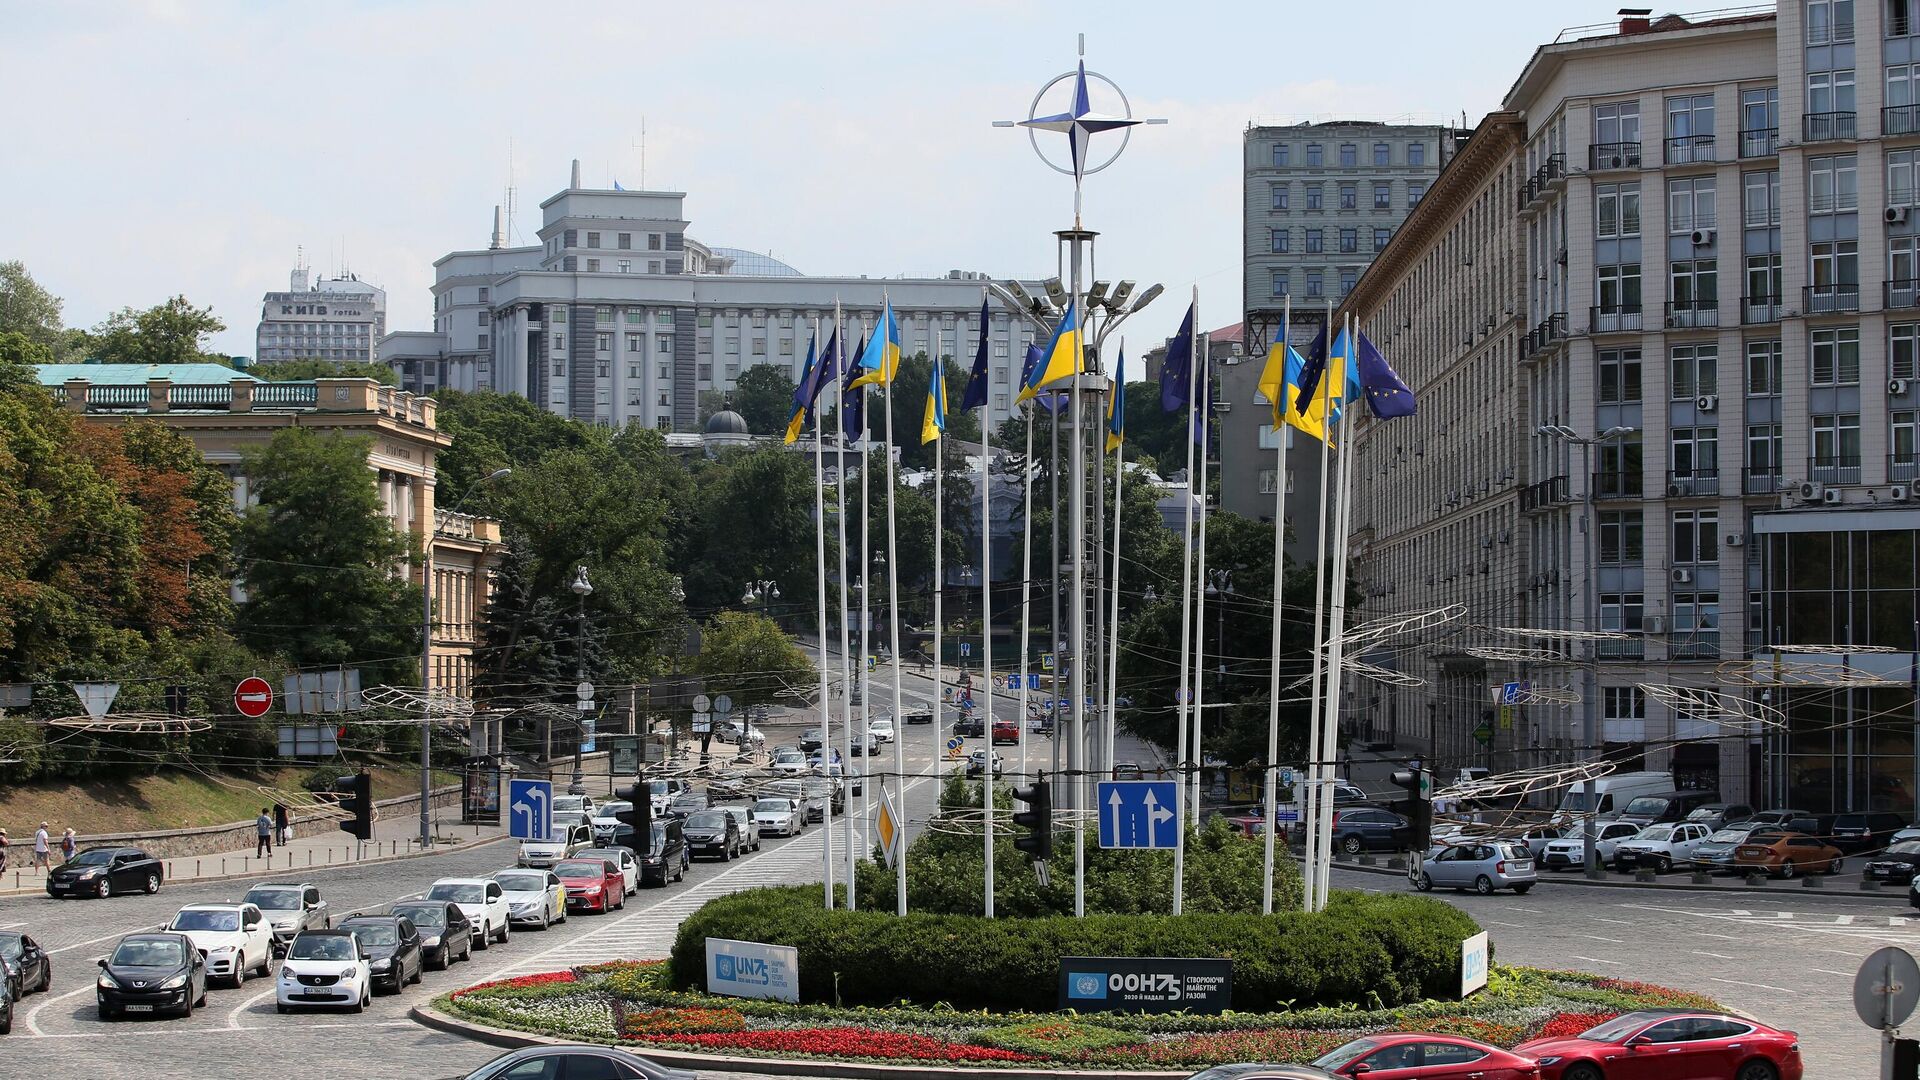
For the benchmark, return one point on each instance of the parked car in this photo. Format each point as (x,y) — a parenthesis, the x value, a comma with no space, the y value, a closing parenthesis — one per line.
(606,818)
(550,1062)
(811,740)
(592,885)
(688,803)
(1715,854)
(1670,1042)
(881,728)
(104,871)
(151,973)
(6,1009)
(445,933)
(561,844)
(1501,864)
(1897,863)
(392,947)
(535,897)
(864,744)
(725,786)
(1661,847)
(977,762)
(1428,1057)
(1345,794)
(713,832)
(623,859)
(323,967)
(1571,850)
(580,805)
(1369,828)
(235,939)
(1859,832)
(666,854)
(743,820)
(1665,807)
(1780,816)
(1787,854)
(28,966)
(777,816)
(1537,838)
(1719,815)
(742,733)
(290,908)
(808,797)
(1005,732)
(482,901)
(661,793)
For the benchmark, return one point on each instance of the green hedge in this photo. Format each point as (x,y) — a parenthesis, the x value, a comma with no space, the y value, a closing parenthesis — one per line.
(1364,950)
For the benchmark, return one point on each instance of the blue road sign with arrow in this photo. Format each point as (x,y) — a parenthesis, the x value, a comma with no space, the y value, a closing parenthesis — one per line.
(530,806)
(1137,814)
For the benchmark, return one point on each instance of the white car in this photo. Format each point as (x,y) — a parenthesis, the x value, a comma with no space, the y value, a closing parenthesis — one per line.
(749,832)
(290,908)
(323,967)
(237,939)
(573,805)
(482,901)
(534,897)
(1661,847)
(564,841)
(881,728)
(604,823)
(789,761)
(661,794)
(1571,851)
(739,731)
(777,815)
(620,857)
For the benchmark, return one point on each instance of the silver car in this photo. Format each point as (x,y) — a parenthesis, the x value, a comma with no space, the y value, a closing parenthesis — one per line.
(1482,867)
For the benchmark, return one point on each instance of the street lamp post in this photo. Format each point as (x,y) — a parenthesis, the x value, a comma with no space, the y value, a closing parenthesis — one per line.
(966,590)
(1220,586)
(762,592)
(582,588)
(426,655)
(1589,721)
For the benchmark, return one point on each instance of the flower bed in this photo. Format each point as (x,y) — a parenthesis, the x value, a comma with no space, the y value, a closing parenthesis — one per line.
(635,1004)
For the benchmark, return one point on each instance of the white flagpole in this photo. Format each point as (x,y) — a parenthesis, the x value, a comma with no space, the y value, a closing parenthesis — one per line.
(1201,403)
(893,637)
(986,647)
(866,607)
(1280,432)
(820,569)
(846,652)
(1026,593)
(1313,799)
(1113,623)
(1349,418)
(1184,696)
(939,588)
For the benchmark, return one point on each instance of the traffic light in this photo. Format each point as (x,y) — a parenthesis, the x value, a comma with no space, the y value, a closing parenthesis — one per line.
(354,794)
(640,819)
(1037,819)
(1417,805)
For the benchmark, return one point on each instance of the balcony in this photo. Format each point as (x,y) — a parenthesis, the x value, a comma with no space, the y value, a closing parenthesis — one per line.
(1900,120)
(1550,332)
(1760,217)
(1761,480)
(1617,649)
(1831,299)
(1690,150)
(1691,314)
(1617,485)
(1903,468)
(1602,157)
(1844,202)
(1760,142)
(1614,319)
(1694,484)
(1900,293)
(1834,470)
(1544,495)
(1826,127)
(1760,309)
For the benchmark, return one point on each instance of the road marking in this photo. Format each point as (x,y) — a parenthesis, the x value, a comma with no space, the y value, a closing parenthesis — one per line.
(1830,971)
(1722,937)
(1838,920)
(1595,960)
(1496,922)
(147,1031)
(1755,985)
(1715,955)
(1596,918)
(1610,940)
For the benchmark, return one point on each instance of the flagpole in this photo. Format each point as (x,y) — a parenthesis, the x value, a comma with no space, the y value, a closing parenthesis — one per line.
(939,584)
(1349,417)
(1280,433)
(1314,776)
(1184,696)
(986,646)
(1113,624)
(820,570)
(846,653)
(1202,405)
(1026,593)
(893,630)
(866,602)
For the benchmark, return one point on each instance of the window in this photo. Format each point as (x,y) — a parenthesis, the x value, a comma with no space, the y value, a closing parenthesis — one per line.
(1903,348)
(1829,21)
(1690,205)
(1382,154)
(1763,368)
(1692,370)
(480,318)
(603,315)
(1696,452)
(706,373)
(1619,376)
(1901,431)
(1696,630)
(1282,240)
(1349,277)
(1696,536)
(1836,440)
(626,266)
(664,372)
(1349,241)
(1617,125)
(593,239)
(663,344)
(653,266)
(1836,274)
(1279,284)
(1380,238)
(1314,242)
(1619,287)
(653,241)
(1282,155)
(1694,286)
(633,342)
(605,370)
(1836,356)
(1761,194)
(1759,121)
(1901,186)
(1616,211)
(1622,612)
(1416,153)
(559,369)
(1279,195)
(603,343)
(560,342)
(1314,156)
(1626,714)
(624,241)
(1833,184)
(1830,91)
(1765,447)
(593,266)
(1383,196)
(1689,129)
(1313,196)
(1622,539)
(1414,194)
(1349,196)
(1316,283)
(1349,155)
(1900,20)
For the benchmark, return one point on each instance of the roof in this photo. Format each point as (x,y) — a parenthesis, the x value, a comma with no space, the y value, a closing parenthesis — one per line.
(139,374)
(755,264)
(727,422)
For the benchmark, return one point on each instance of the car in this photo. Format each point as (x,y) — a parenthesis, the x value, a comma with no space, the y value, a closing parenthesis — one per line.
(1664,807)
(1248,1070)
(445,933)
(863,744)
(1345,794)
(687,803)
(1896,864)
(1571,850)
(912,716)
(28,966)
(1661,847)
(551,1062)
(743,820)
(1484,867)
(534,897)
(661,793)
(1369,828)
(235,938)
(323,967)
(393,949)
(809,801)
(1005,732)
(1537,838)
(1669,1042)
(1718,815)
(882,729)
(290,908)
(559,844)
(148,973)
(483,902)
(592,885)
(104,871)
(1857,832)
(1781,816)
(622,858)
(605,818)
(1390,1055)
(1124,770)
(1715,854)
(790,761)
(970,727)
(581,806)
(825,758)
(741,732)
(1785,854)
(1904,835)
(776,815)
(977,763)
(6,1009)
(713,832)
(811,739)
(666,853)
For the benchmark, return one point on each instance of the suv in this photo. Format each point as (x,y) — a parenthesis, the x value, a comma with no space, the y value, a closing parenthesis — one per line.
(290,909)
(542,854)
(1369,828)
(1666,806)
(482,901)
(1865,832)
(667,855)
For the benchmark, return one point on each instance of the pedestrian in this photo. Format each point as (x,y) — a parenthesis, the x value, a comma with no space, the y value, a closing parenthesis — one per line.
(263,835)
(41,856)
(68,845)
(3,851)
(282,828)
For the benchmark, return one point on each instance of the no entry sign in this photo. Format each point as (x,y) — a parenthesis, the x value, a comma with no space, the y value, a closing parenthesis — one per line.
(253,697)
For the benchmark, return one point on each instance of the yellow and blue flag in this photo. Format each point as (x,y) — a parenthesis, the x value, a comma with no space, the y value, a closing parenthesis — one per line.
(803,397)
(934,423)
(1280,379)
(881,358)
(1328,380)
(1061,360)
(1117,403)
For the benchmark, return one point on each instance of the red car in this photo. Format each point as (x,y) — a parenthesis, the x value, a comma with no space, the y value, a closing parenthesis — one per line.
(592,884)
(1005,732)
(1398,1055)
(1670,1044)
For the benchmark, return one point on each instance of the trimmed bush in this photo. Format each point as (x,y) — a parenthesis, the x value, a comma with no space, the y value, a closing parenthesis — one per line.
(1364,950)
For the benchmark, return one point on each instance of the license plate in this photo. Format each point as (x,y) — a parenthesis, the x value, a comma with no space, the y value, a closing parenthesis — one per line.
(139,1008)
(1753,852)
(1523,866)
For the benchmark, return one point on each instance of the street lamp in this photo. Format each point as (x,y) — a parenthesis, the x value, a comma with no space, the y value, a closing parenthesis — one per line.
(1219,586)
(582,588)
(1589,723)
(426,655)
(966,589)
(762,592)
(1150,596)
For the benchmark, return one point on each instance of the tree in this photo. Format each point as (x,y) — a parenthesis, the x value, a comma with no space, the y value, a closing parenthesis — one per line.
(492,431)
(318,555)
(763,396)
(1152,433)
(746,656)
(304,370)
(751,517)
(29,310)
(910,386)
(171,333)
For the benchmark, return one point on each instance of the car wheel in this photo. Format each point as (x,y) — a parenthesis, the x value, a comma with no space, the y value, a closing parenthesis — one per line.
(1423,883)
(1786,869)
(1662,864)
(1352,845)
(1581,1070)
(104,889)
(187,1009)
(546,922)
(202,1002)
(240,970)
(360,1006)
(484,942)
(505,932)
(1757,1069)
(1483,885)
(1834,866)
(282,1009)
(153,883)
(46,976)
(420,971)
(1521,890)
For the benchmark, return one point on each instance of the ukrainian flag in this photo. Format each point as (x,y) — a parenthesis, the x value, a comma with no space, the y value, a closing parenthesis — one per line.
(881,360)
(1338,383)
(797,420)
(1062,358)
(1117,403)
(934,424)
(1280,381)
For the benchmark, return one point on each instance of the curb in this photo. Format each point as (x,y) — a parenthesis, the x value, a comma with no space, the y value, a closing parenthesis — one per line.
(428,1016)
(262,875)
(1673,887)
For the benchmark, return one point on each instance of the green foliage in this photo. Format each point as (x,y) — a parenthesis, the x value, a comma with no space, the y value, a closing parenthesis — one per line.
(750,518)
(763,396)
(492,431)
(749,658)
(171,333)
(305,370)
(1153,433)
(1281,961)
(910,385)
(29,310)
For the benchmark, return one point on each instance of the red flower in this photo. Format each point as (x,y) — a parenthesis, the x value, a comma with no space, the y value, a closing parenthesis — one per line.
(841,1042)
(1568,1024)
(545,978)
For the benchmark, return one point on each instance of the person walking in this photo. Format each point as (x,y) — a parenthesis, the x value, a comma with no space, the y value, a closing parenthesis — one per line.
(68,845)
(263,835)
(4,843)
(41,854)
(282,828)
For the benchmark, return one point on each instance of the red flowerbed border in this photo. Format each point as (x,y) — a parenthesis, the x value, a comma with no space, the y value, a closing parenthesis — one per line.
(842,1042)
(518,982)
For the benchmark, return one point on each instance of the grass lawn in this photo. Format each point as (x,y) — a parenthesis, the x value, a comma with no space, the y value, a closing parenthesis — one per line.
(171,799)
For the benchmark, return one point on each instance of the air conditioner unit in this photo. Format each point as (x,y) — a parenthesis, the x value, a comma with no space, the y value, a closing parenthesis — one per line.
(1654,624)
(1833,496)
(1707,402)
(1616,162)
(1895,215)
(1811,490)
(1679,490)
(1898,387)
(1680,576)
(1702,237)
(1539,581)
(1899,493)
(1736,539)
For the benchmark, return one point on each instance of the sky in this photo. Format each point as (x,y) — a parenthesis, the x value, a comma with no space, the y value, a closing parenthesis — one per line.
(162,147)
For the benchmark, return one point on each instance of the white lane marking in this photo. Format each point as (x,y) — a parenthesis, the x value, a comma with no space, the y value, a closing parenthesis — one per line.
(1703,933)
(1830,971)
(95,941)
(1595,918)
(147,1031)
(1595,960)
(1608,940)
(1755,985)
(33,1018)
(1496,922)
(1715,955)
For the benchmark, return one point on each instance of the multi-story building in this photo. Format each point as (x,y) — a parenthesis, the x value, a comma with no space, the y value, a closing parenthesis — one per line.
(620,317)
(340,319)
(1566,469)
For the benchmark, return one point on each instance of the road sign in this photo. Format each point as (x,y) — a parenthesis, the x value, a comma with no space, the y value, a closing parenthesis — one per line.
(702,723)
(1886,988)
(1046,661)
(1286,812)
(966,648)
(253,697)
(583,691)
(530,809)
(1286,776)
(723,704)
(702,703)
(1033,680)
(888,830)
(1506,718)
(1137,814)
(1013,681)
(1484,734)
(308,740)
(1510,693)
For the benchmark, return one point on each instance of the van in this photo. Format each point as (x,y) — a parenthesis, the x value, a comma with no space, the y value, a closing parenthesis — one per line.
(1614,792)
(1665,807)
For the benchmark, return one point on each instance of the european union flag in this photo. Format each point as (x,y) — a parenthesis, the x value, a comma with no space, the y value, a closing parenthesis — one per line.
(1050,402)
(1387,394)
(1176,375)
(853,408)
(975,395)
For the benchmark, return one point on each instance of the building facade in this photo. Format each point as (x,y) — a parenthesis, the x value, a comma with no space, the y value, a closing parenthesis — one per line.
(340,319)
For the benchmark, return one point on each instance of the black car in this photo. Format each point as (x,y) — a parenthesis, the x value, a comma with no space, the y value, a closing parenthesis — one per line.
(103,871)
(446,934)
(152,973)
(595,1062)
(917,716)
(712,832)
(810,740)
(6,1009)
(1369,828)
(970,727)
(688,803)
(391,944)
(1857,832)
(666,856)
(28,966)
(1896,864)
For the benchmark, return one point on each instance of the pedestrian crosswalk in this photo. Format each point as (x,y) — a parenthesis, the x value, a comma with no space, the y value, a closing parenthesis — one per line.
(1876,927)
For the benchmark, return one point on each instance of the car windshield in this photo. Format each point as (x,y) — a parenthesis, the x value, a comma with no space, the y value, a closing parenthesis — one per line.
(11,946)
(1356,1049)
(1646,804)
(430,915)
(96,857)
(579,871)
(709,819)
(563,803)
(1906,847)
(772,806)
(459,894)
(1575,802)
(1706,812)
(322,947)
(611,809)
(522,882)
(789,754)
(375,934)
(206,920)
(656,787)
(1658,832)
(274,899)
(147,954)
(1615,1029)
(1729,836)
